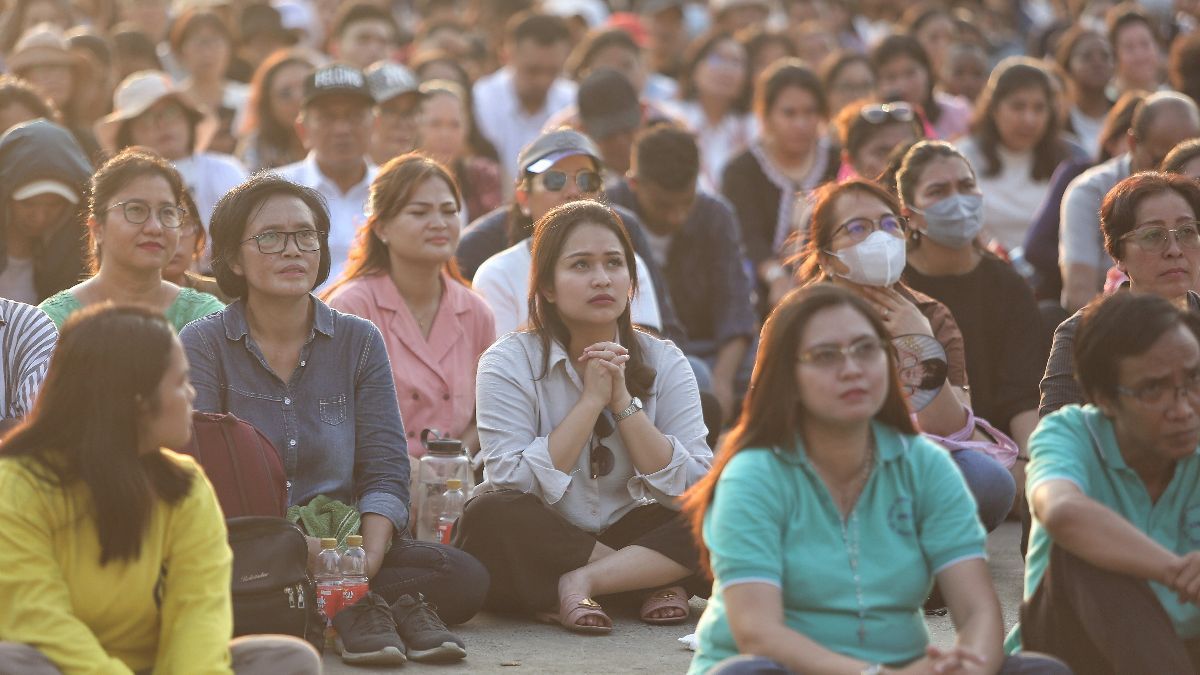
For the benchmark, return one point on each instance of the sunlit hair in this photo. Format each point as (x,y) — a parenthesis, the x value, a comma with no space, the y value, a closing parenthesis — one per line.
(916,159)
(260,116)
(1118,211)
(85,428)
(550,235)
(122,169)
(773,413)
(823,223)
(391,191)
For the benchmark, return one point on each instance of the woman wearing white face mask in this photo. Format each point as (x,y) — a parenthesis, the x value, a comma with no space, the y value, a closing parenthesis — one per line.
(858,240)
(991,303)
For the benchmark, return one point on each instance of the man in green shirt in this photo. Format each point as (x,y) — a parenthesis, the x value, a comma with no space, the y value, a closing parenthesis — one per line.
(1112,579)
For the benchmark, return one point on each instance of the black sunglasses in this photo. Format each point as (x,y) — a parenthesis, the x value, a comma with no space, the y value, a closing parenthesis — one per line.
(600,457)
(588,181)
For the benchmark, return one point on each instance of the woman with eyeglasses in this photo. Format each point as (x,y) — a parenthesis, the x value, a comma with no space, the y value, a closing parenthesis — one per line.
(134,221)
(714,86)
(403,278)
(590,430)
(858,242)
(789,158)
(318,384)
(1014,147)
(869,132)
(827,518)
(1149,221)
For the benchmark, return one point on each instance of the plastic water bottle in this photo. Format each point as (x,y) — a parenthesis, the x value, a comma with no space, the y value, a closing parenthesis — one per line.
(354,571)
(452,507)
(328,576)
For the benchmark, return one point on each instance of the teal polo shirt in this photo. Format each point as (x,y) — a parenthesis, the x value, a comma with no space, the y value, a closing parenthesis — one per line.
(773,521)
(1078,444)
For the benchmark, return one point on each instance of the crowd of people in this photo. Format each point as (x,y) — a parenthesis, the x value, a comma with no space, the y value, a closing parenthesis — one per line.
(784,304)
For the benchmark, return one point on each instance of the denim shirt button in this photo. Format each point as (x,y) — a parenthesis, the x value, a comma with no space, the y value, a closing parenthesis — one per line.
(303,363)
(287,401)
(416,396)
(292,442)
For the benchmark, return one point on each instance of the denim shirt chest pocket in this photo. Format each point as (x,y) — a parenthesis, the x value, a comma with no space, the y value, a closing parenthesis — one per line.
(333,409)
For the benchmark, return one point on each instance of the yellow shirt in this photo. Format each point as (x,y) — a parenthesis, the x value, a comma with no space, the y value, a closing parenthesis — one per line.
(169,610)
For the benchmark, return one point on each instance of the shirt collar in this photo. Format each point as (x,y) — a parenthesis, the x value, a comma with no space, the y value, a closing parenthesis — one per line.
(236,327)
(314,176)
(386,296)
(889,444)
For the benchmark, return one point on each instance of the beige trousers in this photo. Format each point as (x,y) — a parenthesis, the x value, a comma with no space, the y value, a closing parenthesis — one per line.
(252,655)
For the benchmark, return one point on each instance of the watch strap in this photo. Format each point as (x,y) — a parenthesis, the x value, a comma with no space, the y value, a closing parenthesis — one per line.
(635,404)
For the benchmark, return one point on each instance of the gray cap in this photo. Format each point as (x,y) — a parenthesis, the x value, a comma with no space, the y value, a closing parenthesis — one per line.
(388,80)
(540,155)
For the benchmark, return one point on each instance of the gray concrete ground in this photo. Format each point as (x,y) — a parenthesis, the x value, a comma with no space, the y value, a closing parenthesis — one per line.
(512,646)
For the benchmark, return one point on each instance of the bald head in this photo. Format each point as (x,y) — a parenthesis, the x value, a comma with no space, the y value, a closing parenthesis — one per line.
(1161,122)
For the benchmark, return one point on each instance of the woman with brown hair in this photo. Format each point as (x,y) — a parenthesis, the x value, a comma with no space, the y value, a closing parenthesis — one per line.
(589,430)
(268,133)
(827,518)
(403,278)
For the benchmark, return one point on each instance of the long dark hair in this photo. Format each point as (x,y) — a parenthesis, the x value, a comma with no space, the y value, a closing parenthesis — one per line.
(549,236)
(103,377)
(1010,76)
(391,191)
(773,413)
(259,115)
(699,50)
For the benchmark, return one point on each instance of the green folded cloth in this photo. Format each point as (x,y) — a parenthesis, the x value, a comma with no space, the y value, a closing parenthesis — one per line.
(325,517)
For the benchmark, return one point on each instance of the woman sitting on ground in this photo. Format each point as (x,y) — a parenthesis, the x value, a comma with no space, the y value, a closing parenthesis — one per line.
(114,549)
(858,242)
(827,518)
(317,383)
(403,278)
(134,218)
(590,430)
(181,269)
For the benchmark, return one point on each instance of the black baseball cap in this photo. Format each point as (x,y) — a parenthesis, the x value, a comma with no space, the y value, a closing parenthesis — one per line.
(337,79)
(608,104)
(542,153)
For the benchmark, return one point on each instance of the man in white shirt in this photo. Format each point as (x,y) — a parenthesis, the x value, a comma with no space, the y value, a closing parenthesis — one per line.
(335,125)
(513,103)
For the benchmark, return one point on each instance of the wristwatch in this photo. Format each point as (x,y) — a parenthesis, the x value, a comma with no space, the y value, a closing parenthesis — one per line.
(635,404)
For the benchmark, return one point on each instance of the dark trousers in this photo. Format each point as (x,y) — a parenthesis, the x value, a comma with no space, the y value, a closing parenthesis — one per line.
(526,546)
(1101,622)
(452,581)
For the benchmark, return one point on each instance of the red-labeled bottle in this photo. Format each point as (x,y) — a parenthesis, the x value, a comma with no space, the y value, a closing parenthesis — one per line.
(354,571)
(328,576)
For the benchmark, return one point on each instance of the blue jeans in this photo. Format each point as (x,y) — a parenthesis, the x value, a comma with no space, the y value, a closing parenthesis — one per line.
(991,483)
(1017,664)
(451,580)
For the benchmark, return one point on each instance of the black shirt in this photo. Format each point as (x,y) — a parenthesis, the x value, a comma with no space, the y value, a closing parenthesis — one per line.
(1001,327)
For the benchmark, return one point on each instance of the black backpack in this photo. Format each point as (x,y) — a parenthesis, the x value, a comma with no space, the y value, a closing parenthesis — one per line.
(272,591)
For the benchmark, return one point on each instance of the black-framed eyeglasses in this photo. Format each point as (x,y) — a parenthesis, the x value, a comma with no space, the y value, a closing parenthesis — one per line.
(1156,393)
(864,351)
(858,229)
(587,181)
(1157,238)
(884,112)
(276,242)
(600,458)
(138,212)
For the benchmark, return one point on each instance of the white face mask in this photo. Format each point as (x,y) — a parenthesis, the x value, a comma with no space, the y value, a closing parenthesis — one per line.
(877,260)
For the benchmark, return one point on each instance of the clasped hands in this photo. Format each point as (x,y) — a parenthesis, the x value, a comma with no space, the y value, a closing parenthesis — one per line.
(603,367)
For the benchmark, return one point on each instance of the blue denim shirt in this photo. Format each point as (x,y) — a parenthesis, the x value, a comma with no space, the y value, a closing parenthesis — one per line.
(335,420)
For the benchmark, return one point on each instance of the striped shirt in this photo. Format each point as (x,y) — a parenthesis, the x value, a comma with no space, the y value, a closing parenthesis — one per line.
(27,339)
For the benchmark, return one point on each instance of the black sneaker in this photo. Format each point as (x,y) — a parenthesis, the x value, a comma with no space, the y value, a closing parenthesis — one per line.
(427,638)
(366,633)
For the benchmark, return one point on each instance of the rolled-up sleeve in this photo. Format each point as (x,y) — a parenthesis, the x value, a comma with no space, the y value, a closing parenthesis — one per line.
(515,456)
(381,468)
(678,416)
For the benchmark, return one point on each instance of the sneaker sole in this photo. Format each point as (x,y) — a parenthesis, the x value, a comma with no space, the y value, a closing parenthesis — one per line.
(388,656)
(443,653)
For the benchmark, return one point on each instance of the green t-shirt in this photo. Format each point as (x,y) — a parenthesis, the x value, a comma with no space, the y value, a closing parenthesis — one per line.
(189,305)
(773,521)
(1078,444)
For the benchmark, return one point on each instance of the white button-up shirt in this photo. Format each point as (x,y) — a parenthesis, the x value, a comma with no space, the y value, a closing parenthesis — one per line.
(347,210)
(518,408)
(505,123)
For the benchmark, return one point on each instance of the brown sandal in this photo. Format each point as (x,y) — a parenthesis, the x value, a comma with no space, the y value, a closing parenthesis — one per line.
(575,608)
(673,597)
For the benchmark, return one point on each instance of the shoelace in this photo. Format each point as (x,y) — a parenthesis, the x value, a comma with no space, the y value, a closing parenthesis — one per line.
(423,614)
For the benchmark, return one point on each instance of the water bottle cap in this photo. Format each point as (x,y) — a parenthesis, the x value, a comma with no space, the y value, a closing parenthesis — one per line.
(454,484)
(445,447)
(354,540)
(328,543)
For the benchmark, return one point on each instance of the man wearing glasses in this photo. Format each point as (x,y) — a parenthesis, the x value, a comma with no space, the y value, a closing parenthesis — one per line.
(1112,577)
(335,125)
(559,167)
